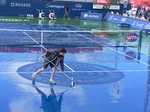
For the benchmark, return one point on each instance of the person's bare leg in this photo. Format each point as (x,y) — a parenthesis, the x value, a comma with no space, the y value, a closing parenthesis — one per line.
(40,70)
(37,72)
(52,74)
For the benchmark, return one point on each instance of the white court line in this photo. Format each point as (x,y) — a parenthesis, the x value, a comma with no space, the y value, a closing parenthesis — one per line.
(89,71)
(114,49)
(45,49)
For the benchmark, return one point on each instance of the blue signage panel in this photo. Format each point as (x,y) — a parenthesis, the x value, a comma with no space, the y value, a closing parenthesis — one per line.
(24,7)
(91,16)
(146,31)
(134,23)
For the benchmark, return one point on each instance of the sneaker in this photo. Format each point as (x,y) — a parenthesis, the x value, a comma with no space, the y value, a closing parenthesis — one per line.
(52,82)
(33,76)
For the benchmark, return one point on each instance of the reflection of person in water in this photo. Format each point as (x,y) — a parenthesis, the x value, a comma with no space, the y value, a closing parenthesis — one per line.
(66,22)
(50,103)
(52,22)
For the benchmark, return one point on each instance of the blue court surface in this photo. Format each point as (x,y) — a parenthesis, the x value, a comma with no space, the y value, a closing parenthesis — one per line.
(108,76)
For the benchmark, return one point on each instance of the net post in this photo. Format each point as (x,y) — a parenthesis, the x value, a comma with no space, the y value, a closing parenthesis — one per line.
(42,37)
(139,45)
(140,39)
(42,40)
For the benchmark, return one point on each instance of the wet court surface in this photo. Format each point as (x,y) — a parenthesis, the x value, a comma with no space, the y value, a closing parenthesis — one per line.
(102,86)
(107,79)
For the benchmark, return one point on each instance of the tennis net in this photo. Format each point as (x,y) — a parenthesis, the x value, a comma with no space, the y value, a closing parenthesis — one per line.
(70,38)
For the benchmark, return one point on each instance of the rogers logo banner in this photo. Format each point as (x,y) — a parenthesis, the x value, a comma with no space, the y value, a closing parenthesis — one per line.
(13,4)
(132,37)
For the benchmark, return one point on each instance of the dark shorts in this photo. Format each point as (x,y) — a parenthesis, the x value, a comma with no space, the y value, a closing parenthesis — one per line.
(46,63)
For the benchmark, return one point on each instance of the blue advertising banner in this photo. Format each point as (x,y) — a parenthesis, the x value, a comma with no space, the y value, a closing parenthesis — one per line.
(28,7)
(91,16)
(134,23)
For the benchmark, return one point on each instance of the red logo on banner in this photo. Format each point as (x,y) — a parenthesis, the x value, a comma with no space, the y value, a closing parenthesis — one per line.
(132,37)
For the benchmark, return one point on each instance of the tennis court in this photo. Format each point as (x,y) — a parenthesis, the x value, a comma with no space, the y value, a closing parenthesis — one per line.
(110,75)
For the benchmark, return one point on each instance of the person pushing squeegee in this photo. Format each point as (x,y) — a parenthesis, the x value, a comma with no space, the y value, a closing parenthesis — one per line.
(53,58)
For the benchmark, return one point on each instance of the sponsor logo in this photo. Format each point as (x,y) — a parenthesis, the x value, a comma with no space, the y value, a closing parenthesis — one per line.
(110,18)
(147,26)
(123,20)
(14,20)
(91,16)
(30,15)
(144,31)
(97,6)
(13,4)
(78,9)
(88,23)
(85,15)
(115,19)
(2,2)
(116,7)
(78,5)
(133,23)
(132,37)
(139,25)
(54,6)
